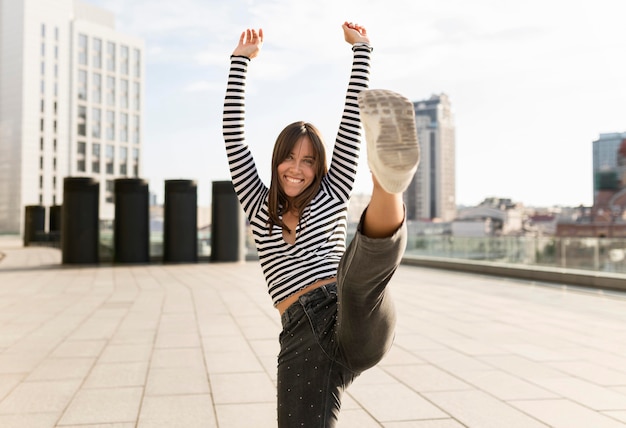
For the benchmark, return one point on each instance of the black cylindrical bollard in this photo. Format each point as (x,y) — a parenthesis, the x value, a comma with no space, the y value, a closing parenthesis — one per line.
(131,233)
(80,220)
(180,222)
(228,240)
(34,223)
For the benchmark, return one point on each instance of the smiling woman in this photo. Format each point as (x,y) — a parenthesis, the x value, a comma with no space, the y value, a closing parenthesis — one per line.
(337,317)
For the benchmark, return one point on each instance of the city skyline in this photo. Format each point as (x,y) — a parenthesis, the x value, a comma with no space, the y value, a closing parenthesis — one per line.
(530,90)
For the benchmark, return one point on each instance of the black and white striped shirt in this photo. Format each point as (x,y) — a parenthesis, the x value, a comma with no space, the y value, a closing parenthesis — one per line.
(321,232)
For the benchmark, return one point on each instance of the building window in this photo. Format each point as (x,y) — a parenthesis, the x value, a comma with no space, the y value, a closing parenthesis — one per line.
(56,71)
(41,162)
(96,122)
(55,107)
(56,33)
(43,30)
(110,158)
(43,49)
(82,121)
(124,93)
(41,143)
(137,62)
(109,189)
(42,106)
(136,125)
(123,161)
(54,143)
(110,56)
(82,85)
(82,49)
(56,52)
(110,91)
(136,162)
(97,53)
(110,125)
(124,60)
(43,87)
(41,124)
(96,88)
(95,158)
(43,68)
(124,127)
(54,164)
(81,150)
(136,95)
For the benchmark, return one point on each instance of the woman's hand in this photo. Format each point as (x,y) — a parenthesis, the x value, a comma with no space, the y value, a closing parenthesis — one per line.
(354,33)
(250,43)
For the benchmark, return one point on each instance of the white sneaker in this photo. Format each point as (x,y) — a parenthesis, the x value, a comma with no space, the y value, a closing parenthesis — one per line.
(388,120)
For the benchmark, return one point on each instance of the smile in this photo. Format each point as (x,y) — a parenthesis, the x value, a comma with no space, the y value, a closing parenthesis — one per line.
(293,180)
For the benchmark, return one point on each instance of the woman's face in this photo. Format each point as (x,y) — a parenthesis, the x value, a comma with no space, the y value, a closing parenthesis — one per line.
(297,171)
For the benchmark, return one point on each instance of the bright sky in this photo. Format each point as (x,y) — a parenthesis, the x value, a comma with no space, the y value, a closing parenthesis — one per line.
(531,83)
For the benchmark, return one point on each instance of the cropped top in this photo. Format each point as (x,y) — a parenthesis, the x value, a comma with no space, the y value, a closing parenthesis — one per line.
(321,232)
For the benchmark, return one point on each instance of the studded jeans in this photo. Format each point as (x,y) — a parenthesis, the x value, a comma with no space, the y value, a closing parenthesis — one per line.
(335,332)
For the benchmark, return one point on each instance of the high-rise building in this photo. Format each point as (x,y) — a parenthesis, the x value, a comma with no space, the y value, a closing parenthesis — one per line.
(605,159)
(432,193)
(71,103)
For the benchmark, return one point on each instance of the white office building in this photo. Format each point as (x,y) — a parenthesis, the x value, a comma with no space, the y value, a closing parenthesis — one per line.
(71,103)
(432,193)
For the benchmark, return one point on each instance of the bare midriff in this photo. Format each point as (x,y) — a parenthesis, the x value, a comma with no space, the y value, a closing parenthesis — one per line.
(282,306)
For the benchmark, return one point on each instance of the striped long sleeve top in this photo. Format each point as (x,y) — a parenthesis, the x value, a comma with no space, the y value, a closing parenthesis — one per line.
(321,232)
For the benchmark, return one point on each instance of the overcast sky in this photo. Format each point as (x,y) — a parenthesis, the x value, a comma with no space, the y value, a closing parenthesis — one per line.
(531,83)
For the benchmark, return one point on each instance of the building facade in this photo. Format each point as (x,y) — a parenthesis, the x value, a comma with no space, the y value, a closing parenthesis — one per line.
(432,192)
(605,161)
(71,104)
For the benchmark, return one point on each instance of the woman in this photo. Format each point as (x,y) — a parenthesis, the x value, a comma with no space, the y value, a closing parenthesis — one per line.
(338,319)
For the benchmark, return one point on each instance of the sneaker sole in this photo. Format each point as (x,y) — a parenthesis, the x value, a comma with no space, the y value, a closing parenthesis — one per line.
(396,146)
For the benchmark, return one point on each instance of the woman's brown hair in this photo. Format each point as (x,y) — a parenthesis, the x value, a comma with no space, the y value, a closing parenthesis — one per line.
(278,202)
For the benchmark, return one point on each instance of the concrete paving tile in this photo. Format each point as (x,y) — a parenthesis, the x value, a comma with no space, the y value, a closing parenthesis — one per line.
(425,377)
(521,367)
(177,340)
(415,342)
(219,325)
(133,337)
(114,425)
(39,397)
(96,406)
(79,349)
(505,386)
(177,380)
(433,423)
(452,361)
(8,382)
(586,393)
(477,409)
(126,353)
(591,372)
(117,375)
(394,402)
(39,420)
(62,369)
(565,414)
(242,388)
(537,353)
(356,418)
(377,375)
(265,347)
(235,343)
(257,415)
(179,411)
(177,357)
(619,415)
(399,356)
(232,362)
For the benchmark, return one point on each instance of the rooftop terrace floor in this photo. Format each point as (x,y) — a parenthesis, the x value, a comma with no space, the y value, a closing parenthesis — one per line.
(195,345)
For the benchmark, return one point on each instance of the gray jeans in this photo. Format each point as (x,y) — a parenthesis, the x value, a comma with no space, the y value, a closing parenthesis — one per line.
(335,332)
